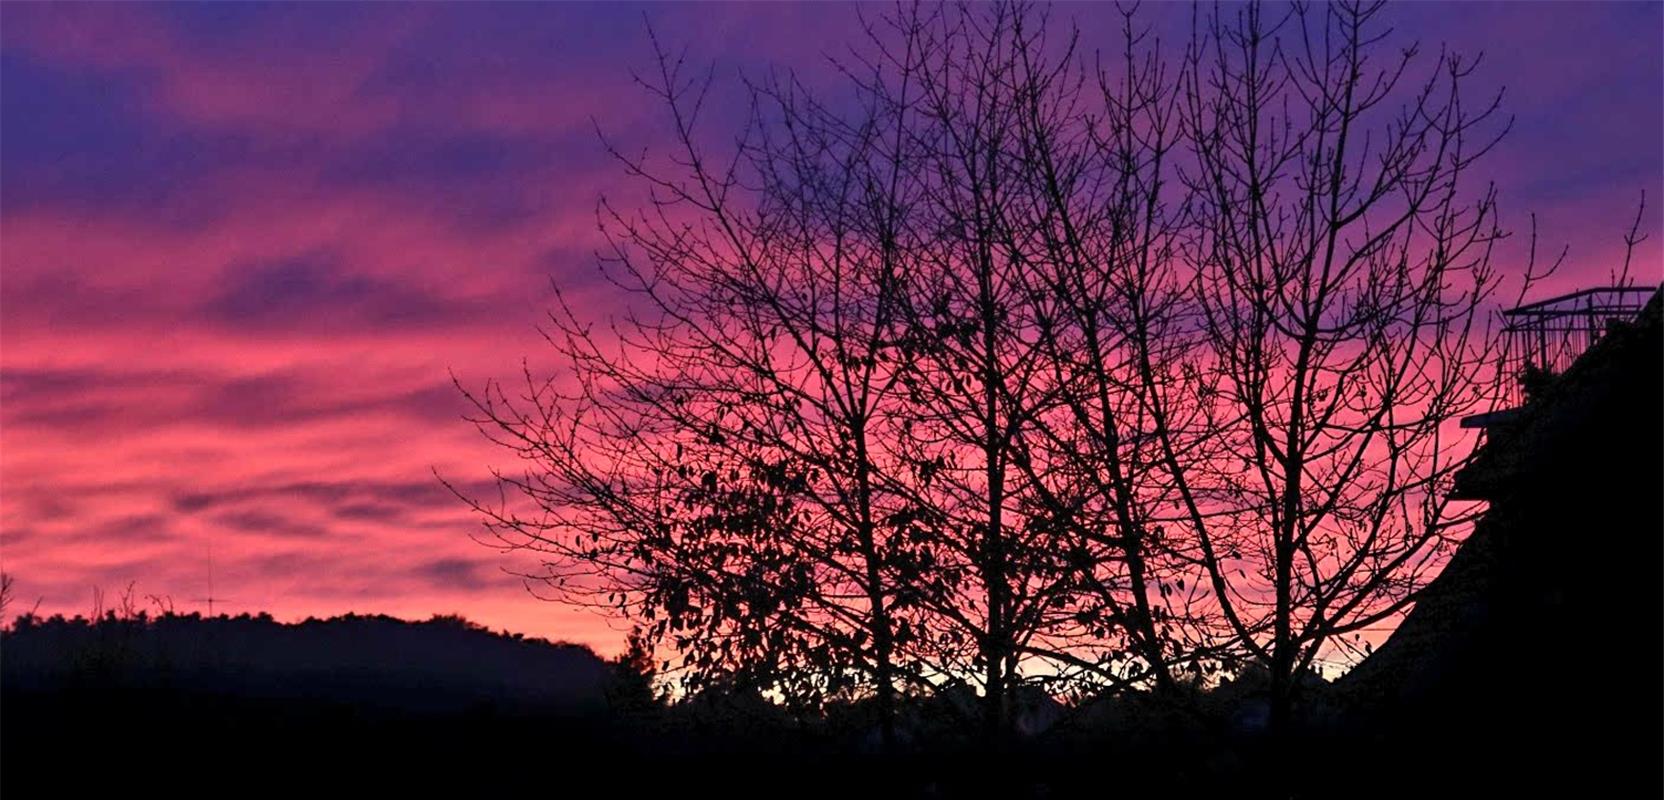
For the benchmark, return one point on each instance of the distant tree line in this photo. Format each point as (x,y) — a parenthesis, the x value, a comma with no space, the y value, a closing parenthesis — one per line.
(1025,362)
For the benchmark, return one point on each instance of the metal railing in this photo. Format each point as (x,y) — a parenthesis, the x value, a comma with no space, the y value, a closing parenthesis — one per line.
(1548,335)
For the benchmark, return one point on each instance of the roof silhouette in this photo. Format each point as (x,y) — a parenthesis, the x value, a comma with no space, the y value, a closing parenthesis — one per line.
(1541,638)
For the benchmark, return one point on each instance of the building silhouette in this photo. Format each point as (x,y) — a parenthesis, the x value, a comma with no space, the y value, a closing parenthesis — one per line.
(1534,659)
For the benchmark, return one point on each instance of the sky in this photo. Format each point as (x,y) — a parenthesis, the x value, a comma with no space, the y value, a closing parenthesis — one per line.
(244,248)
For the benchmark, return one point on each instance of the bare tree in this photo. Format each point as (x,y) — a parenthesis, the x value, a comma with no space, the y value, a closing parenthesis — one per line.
(1103,236)
(1006,368)
(714,461)
(7,585)
(1342,271)
(979,379)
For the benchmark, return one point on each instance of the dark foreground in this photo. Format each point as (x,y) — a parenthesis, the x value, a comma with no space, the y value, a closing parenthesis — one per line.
(123,707)
(74,745)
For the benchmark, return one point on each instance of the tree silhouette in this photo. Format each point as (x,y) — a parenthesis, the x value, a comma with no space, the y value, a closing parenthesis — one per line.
(1011,369)
(1341,278)
(630,689)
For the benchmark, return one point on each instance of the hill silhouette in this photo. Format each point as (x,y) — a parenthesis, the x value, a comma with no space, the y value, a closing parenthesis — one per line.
(181,701)
(380,663)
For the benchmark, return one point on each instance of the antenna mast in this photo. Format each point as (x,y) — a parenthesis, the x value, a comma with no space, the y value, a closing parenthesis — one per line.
(210,598)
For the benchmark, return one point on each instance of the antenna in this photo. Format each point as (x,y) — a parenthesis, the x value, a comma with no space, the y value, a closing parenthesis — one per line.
(210,598)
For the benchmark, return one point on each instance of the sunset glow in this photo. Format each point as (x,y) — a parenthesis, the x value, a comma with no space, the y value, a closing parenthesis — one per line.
(246,247)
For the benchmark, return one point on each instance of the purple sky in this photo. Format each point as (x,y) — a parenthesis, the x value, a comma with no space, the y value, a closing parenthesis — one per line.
(243,246)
